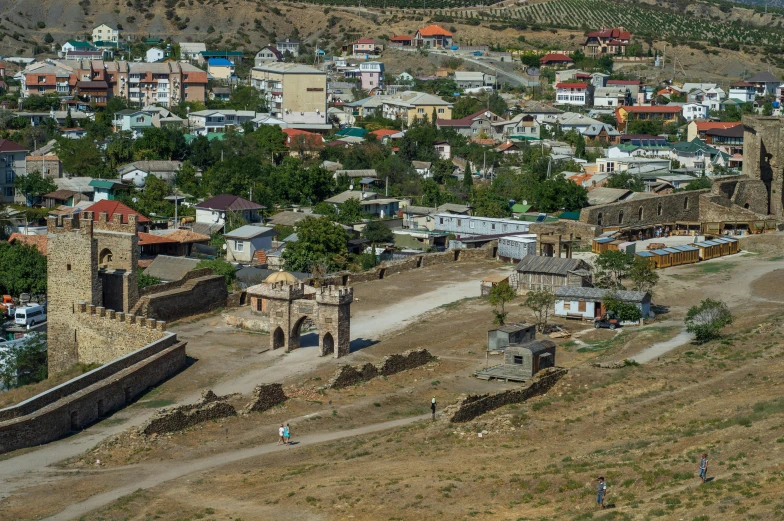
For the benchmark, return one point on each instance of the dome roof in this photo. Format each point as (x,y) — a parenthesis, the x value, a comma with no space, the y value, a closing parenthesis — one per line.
(281,276)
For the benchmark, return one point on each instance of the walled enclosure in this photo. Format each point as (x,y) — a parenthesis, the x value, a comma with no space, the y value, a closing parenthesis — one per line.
(763,157)
(348,375)
(288,309)
(81,401)
(474,406)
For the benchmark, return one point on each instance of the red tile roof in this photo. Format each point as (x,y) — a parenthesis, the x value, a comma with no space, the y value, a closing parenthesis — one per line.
(6,145)
(400,38)
(571,85)
(40,242)
(312,139)
(113,207)
(615,32)
(655,109)
(462,122)
(434,30)
(145,239)
(365,40)
(711,125)
(554,57)
(380,133)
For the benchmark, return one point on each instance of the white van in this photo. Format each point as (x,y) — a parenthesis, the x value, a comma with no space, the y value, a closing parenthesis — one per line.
(30,315)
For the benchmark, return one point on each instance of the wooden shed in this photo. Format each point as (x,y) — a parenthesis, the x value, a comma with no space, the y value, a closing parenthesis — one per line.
(708,249)
(728,245)
(687,254)
(537,273)
(662,258)
(603,244)
(525,360)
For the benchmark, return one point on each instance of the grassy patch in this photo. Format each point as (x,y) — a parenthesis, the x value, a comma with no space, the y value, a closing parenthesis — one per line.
(154,404)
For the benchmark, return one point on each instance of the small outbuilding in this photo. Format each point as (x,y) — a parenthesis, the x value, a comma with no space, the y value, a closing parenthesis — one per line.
(242,243)
(523,361)
(587,303)
(516,333)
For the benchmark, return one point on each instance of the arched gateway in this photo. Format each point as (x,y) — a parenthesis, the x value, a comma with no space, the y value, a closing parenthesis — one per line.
(288,309)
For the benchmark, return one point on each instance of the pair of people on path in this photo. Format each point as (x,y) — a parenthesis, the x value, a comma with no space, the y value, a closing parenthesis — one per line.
(284,434)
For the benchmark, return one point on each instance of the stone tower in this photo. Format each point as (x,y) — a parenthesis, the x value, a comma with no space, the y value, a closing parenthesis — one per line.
(91,262)
(763,156)
(334,319)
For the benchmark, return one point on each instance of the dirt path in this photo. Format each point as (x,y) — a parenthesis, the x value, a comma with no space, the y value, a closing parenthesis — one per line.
(660,348)
(151,475)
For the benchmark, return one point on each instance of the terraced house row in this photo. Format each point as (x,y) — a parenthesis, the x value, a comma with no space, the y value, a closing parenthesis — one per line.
(95,81)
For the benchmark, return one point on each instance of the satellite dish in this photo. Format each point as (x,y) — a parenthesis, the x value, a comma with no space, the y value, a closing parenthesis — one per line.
(223,215)
(351,186)
(135,199)
(224,246)
(525,202)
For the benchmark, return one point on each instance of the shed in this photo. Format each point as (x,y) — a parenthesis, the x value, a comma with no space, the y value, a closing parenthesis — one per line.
(708,249)
(515,333)
(586,303)
(537,273)
(489,282)
(243,242)
(523,361)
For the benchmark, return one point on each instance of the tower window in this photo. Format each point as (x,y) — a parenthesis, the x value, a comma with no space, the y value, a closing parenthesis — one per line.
(68,267)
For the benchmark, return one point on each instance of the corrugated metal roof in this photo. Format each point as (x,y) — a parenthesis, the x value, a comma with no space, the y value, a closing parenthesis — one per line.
(603,240)
(660,252)
(685,247)
(552,265)
(170,268)
(644,254)
(599,294)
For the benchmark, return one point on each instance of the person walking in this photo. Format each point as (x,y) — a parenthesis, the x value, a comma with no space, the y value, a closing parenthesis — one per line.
(287,433)
(601,491)
(433,408)
(704,467)
(281,433)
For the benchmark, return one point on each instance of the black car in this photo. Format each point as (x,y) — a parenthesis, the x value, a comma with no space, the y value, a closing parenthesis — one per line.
(608,321)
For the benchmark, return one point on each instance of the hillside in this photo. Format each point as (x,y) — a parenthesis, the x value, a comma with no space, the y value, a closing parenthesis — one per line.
(715,38)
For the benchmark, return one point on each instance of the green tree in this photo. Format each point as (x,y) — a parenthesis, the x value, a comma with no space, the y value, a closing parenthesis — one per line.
(319,242)
(69,122)
(442,170)
(708,319)
(34,185)
(350,211)
(625,180)
(499,296)
(48,38)
(221,267)
(145,280)
(488,203)
(624,311)
(151,200)
(24,362)
(579,146)
(643,275)
(326,210)
(496,104)
(465,106)
(611,268)
(377,232)
(652,127)
(541,303)
(701,183)
(22,269)
(468,178)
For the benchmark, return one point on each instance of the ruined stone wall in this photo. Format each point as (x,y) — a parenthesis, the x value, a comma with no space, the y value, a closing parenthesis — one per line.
(210,407)
(348,375)
(266,397)
(714,208)
(581,232)
(763,157)
(175,284)
(85,399)
(475,406)
(682,206)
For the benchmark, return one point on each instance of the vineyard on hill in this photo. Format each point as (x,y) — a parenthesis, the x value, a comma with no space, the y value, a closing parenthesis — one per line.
(644,22)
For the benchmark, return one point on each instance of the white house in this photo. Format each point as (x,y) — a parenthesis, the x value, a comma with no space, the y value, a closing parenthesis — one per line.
(243,243)
(213,211)
(203,122)
(444,149)
(743,91)
(191,50)
(614,96)
(154,54)
(587,303)
(692,111)
(713,98)
(578,94)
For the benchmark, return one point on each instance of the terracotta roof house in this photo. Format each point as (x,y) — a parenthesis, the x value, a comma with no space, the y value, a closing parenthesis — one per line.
(666,113)
(606,41)
(433,36)
(400,40)
(112,208)
(700,128)
(555,60)
(302,142)
(40,242)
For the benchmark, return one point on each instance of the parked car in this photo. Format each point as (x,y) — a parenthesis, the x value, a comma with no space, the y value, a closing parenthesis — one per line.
(7,306)
(608,321)
(30,315)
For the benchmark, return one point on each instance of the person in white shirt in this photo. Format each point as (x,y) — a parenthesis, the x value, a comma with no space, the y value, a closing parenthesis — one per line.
(281,432)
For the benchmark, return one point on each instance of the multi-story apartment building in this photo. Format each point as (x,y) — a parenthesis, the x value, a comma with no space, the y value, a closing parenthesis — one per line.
(295,93)
(12,164)
(164,84)
(371,75)
(205,121)
(104,33)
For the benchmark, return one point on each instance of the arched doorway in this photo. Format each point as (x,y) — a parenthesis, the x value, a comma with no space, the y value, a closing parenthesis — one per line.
(105,257)
(327,345)
(278,338)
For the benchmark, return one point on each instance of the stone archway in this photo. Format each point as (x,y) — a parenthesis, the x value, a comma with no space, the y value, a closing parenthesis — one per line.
(105,258)
(327,344)
(278,338)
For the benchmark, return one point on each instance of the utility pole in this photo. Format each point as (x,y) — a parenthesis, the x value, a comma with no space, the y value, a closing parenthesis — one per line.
(175,205)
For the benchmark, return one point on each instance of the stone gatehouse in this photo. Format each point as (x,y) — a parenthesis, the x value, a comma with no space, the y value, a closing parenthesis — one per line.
(288,306)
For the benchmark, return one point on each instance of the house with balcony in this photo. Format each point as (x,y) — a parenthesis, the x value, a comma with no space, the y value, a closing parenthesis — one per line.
(411,106)
(208,121)
(363,47)
(106,33)
(433,36)
(601,133)
(765,83)
(13,163)
(472,80)
(696,155)
(371,75)
(267,54)
(612,96)
(577,94)
(479,123)
(295,93)
(729,140)
(234,57)
(611,42)
(520,127)
(743,91)
(290,45)
(713,98)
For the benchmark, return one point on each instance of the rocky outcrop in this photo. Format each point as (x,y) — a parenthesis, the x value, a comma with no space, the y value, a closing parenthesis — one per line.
(348,375)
